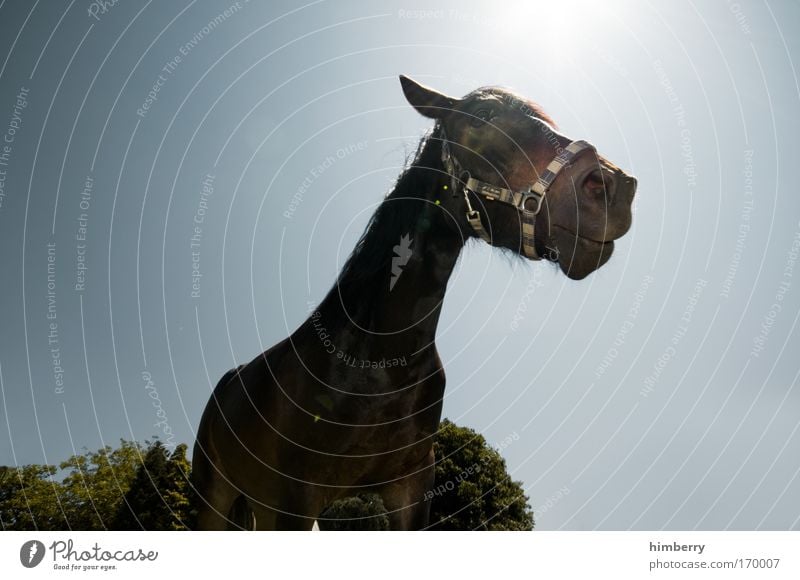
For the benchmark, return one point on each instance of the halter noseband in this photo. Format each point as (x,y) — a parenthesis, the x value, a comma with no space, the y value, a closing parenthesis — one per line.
(517,199)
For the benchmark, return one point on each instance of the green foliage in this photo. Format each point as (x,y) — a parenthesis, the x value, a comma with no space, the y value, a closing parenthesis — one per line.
(96,483)
(95,488)
(143,500)
(361,512)
(472,490)
(29,498)
(179,494)
(158,497)
(138,486)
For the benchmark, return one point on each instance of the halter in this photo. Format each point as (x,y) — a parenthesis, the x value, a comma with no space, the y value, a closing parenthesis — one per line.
(518,199)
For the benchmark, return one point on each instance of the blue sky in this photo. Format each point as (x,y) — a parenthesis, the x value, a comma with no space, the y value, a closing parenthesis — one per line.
(660,392)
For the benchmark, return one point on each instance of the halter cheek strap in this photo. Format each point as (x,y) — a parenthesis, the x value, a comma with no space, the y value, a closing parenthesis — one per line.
(519,199)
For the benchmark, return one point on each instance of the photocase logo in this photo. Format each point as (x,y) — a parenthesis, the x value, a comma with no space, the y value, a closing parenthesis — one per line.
(402,253)
(31,553)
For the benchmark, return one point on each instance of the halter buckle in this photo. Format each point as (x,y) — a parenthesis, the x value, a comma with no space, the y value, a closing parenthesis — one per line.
(531,195)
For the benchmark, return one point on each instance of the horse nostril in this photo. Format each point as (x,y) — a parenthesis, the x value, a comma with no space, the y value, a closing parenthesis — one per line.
(599,182)
(630,185)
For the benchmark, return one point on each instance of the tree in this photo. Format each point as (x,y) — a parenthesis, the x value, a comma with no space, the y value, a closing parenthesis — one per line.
(104,489)
(472,489)
(180,494)
(96,484)
(30,498)
(361,512)
(158,498)
(143,505)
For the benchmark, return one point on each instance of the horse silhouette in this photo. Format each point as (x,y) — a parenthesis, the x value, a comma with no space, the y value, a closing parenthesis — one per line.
(349,403)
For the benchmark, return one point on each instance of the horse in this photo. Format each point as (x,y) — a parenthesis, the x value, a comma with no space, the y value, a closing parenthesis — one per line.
(350,401)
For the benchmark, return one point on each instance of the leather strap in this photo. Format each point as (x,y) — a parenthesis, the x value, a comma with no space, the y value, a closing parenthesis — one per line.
(519,199)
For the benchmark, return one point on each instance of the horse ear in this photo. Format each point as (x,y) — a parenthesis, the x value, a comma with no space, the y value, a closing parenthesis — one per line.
(425,100)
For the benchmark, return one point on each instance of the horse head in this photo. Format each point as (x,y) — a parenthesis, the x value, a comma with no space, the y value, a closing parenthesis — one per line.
(520,184)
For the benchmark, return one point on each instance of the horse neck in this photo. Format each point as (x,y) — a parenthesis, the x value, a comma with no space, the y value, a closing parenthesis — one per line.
(412,306)
(382,302)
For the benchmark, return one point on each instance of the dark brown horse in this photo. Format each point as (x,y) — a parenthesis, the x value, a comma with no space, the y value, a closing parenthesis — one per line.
(350,401)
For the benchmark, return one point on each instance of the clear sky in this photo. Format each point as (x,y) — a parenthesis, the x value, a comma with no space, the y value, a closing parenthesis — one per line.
(178,181)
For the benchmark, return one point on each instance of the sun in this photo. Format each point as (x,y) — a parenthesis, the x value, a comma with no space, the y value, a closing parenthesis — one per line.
(559,26)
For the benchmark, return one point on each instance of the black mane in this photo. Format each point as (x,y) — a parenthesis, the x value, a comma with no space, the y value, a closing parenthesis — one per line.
(511,97)
(403,211)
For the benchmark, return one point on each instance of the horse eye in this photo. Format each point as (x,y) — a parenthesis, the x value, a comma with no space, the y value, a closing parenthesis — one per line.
(480,117)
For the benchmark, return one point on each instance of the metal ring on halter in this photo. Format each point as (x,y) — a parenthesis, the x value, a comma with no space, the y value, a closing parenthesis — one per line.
(531,195)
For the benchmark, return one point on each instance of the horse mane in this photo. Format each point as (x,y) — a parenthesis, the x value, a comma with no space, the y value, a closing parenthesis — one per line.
(508,94)
(397,215)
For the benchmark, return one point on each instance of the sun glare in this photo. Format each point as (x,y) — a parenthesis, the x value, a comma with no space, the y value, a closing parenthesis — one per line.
(565,25)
